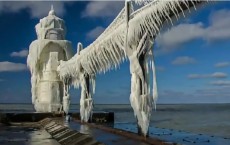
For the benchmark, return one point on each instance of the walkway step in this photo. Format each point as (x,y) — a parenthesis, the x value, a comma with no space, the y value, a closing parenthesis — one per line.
(65,135)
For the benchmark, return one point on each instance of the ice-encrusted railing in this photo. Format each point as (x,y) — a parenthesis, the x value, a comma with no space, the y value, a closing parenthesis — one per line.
(151,17)
(114,44)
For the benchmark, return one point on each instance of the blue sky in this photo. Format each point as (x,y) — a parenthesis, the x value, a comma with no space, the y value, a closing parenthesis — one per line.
(192,56)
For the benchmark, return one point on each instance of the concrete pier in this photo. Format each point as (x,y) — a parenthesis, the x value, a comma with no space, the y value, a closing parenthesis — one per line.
(112,136)
(28,117)
(65,135)
(97,117)
(25,134)
(68,133)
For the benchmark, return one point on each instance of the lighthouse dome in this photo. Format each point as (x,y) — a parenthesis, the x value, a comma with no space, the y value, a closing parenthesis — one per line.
(51,27)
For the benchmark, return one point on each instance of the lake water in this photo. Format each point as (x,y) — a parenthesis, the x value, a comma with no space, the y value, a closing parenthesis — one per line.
(211,119)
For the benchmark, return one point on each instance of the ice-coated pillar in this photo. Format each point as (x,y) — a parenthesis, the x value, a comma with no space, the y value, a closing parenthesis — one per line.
(141,99)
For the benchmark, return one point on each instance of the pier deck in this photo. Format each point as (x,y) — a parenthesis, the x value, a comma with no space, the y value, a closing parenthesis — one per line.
(25,134)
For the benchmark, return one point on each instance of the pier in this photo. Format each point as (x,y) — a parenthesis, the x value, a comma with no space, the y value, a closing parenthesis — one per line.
(52,129)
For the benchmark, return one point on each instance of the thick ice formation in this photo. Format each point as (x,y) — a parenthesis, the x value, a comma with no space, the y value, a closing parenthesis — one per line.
(140,98)
(66,97)
(144,25)
(43,60)
(131,36)
(86,101)
(74,71)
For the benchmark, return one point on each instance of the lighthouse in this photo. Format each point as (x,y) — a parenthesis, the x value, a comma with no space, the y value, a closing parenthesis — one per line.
(44,57)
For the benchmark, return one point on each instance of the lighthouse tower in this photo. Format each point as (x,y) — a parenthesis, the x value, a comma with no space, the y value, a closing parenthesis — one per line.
(45,54)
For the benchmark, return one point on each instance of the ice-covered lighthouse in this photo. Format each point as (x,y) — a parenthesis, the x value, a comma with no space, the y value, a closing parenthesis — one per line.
(44,56)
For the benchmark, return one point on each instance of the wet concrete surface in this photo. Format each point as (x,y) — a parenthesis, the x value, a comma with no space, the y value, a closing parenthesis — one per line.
(104,136)
(22,135)
(65,135)
(93,132)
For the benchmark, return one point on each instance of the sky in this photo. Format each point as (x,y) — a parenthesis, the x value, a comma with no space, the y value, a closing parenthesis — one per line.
(192,56)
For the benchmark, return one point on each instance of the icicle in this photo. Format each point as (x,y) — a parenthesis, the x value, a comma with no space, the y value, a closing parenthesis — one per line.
(94,64)
(174,10)
(149,27)
(66,98)
(93,83)
(79,48)
(182,11)
(142,2)
(158,19)
(86,103)
(155,95)
(186,4)
(193,4)
(127,14)
(93,68)
(116,53)
(166,13)
(147,77)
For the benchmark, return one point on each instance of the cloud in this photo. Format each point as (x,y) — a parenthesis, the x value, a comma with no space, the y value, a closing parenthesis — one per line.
(218,29)
(37,9)
(1,80)
(220,83)
(102,8)
(180,34)
(214,75)
(94,33)
(183,60)
(222,64)
(219,75)
(6,66)
(22,53)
